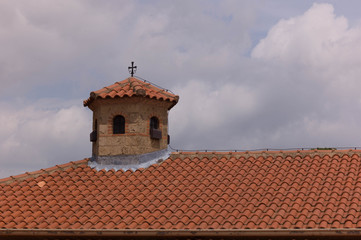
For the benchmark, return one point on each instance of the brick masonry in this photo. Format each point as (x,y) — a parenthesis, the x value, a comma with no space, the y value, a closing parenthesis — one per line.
(137,112)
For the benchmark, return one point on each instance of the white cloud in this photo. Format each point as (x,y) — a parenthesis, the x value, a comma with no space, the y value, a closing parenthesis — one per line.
(317,52)
(300,85)
(33,137)
(61,42)
(320,44)
(316,39)
(207,112)
(85,43)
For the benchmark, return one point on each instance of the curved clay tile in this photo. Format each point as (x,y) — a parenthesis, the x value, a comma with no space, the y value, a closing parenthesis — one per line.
(132,87)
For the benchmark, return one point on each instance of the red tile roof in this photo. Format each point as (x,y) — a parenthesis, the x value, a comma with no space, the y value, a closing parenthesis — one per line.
(132,87)
(249,190)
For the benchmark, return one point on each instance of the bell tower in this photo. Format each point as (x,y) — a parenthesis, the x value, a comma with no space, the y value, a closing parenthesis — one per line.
(130,121)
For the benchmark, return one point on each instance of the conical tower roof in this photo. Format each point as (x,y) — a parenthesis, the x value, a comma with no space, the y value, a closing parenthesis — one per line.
(132,87)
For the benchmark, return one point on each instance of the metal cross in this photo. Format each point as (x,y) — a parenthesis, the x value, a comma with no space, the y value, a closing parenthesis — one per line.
(132,69)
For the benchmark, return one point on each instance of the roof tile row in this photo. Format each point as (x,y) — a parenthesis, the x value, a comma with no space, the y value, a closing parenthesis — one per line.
(236,191)
(132,87)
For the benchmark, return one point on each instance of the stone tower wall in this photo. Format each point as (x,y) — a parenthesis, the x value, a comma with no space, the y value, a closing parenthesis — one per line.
(137,112)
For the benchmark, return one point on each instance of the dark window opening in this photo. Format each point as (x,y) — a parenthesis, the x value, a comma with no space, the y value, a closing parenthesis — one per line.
(119,124)
(155,132)
(154,123)
(94,133)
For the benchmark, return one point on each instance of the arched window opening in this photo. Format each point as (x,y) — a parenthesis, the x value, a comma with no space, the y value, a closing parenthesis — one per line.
(119,124)
(154,123)
(155,132)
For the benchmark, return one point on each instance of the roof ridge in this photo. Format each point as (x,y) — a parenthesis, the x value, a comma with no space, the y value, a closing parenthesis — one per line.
(48,170)
(229,154)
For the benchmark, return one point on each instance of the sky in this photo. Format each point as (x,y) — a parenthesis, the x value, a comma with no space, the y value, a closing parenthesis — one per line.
(251,74)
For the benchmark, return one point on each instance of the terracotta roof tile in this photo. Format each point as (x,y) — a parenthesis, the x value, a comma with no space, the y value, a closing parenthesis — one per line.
(278,190)
(132,87)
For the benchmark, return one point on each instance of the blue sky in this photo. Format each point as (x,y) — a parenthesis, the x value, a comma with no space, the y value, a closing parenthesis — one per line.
(250,74)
